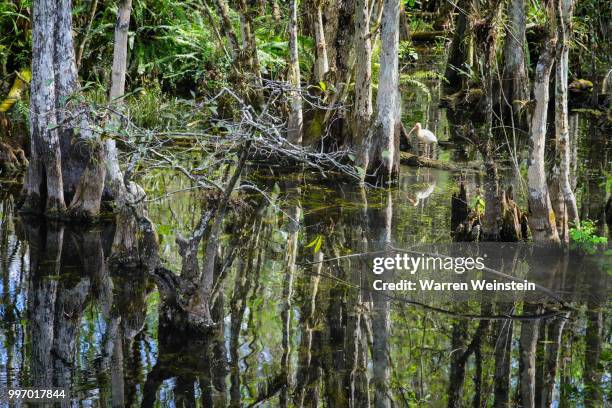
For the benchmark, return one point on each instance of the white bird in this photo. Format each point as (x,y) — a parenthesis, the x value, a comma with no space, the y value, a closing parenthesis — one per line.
(424,136)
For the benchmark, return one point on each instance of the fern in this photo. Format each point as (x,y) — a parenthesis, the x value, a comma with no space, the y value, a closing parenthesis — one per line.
(424,75)
(409,80)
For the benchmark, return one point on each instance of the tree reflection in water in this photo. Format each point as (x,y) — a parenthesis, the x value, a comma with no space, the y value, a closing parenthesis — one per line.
(292,326)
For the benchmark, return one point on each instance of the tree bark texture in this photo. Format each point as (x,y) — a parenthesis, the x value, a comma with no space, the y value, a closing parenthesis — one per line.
(295,120)
(564,15)
(44,187)
(383,137)
(114,175)
(541,215)
(516,81)
(62,165)
(322,63)
(363,76)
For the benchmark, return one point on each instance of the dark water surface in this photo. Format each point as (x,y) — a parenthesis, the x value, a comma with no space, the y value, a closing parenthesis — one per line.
(296,331)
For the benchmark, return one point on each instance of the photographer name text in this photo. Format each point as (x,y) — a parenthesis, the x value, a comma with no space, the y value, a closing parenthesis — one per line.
(426,263)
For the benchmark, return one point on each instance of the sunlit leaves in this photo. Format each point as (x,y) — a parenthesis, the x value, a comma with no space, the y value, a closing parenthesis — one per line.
(316,243)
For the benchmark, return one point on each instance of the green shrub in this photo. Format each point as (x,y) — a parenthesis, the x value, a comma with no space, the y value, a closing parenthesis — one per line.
(584,236)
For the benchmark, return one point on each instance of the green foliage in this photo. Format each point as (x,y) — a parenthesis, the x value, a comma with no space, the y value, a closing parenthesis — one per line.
(536,12)
(15,41)
(591,35)
(418,24)
(407,50)
(170,42)
(316,243)
(607,182)
(585,237)
(20,113)
(478,205)
(417,80)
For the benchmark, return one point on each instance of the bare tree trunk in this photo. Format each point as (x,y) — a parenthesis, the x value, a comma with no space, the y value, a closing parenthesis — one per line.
(58,170)
(45,162)
(383,137)
(339,34)
(322,64)
(82,171)
(295,121)
(541,214)
(119,68)
(331,9)
(486,41)
(114,177)
(564,11)
(516,81)
(363,78)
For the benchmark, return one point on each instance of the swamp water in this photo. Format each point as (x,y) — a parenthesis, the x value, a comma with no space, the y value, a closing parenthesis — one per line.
(293,330)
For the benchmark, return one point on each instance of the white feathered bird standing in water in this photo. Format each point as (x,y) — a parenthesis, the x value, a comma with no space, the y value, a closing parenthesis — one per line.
(424,136)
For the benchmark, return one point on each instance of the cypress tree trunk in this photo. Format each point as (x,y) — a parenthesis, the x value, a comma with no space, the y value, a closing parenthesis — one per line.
(60,169)
(295,121)
(564,14)
(322,63)
(383,137)
(82,167)
(516,81)
(114,177)
(541,214)
(363,77)
(339,33)
(122,26)
(44,186)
